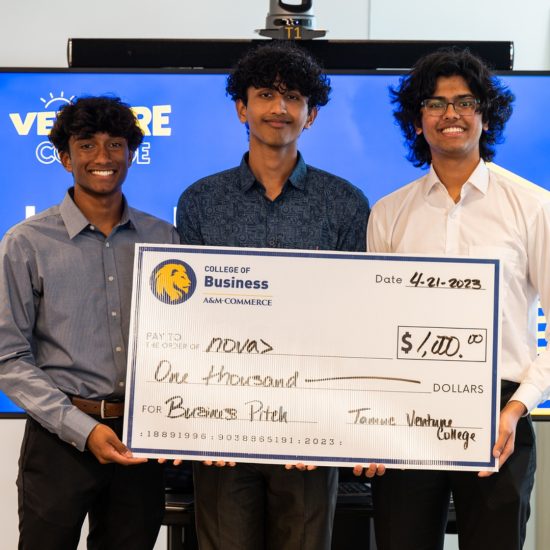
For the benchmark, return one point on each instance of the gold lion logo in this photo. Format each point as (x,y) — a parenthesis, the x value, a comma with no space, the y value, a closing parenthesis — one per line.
(172,280)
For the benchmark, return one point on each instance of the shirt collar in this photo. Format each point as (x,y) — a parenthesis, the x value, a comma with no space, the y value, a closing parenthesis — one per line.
(479,179)
(76,222)
(297,178)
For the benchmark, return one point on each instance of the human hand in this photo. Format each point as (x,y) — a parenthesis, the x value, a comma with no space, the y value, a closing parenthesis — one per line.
(219,463)
(175,462)
(370,471)
(504,445)
(105,445)
(301,467)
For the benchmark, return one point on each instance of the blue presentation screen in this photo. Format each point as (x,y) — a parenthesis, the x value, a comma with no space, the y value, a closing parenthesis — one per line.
(192,130)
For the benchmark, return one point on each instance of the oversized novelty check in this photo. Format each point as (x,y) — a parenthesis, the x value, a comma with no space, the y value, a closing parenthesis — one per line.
(280,356)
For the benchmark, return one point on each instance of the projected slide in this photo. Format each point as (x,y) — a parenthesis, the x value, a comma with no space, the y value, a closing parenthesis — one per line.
(191,130)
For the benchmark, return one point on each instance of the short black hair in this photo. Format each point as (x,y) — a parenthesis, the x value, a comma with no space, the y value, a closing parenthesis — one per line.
(495,99)
(279,64)
(89,115)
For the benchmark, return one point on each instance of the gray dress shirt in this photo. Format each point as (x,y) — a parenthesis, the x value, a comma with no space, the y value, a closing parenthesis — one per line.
(65,293)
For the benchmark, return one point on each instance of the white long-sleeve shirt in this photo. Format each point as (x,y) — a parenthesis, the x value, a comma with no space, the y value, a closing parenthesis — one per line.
(496,218)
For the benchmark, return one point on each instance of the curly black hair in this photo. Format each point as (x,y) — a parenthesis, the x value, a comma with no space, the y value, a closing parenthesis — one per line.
(495,99)
(90,115)
(282,65)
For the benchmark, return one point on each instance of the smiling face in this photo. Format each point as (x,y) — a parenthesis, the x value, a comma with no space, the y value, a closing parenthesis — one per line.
(275,116)
(452,135)
(99,163)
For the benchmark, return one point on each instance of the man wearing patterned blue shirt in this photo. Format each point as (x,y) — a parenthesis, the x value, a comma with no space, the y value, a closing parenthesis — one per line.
(272,200)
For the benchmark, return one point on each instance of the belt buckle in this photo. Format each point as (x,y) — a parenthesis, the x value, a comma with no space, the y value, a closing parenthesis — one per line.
(102,411)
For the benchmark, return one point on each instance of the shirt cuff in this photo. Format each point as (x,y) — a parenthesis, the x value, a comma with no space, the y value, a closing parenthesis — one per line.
(529,395)
(76,428)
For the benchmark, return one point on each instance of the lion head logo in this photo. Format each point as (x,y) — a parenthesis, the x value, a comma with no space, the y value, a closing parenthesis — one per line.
(173,281)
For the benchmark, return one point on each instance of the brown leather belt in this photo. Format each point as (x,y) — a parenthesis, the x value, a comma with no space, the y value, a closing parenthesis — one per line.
(101,408)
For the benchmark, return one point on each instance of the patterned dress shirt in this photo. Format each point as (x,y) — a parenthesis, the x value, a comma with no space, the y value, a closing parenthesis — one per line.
(316,211)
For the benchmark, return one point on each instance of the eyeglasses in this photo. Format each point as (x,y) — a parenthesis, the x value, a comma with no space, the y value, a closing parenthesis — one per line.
(465,106)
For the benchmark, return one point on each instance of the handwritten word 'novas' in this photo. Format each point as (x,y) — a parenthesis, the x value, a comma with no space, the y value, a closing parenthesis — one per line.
(228,345)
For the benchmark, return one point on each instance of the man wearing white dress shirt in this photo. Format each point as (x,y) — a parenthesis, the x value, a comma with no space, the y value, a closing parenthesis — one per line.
(452,112)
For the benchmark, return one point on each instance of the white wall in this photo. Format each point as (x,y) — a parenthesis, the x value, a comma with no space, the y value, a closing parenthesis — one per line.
(34,33)
(11,433)
(527,23)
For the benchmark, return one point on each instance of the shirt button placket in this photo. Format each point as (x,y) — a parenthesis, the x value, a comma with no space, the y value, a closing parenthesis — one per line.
(113,304)
(271,225)
(453,231)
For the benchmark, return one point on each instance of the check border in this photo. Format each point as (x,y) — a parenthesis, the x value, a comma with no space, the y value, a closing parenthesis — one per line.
(292,458)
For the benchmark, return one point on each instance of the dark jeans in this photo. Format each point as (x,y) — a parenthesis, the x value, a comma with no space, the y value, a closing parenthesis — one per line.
(264,507)
(410,506)
(58,485)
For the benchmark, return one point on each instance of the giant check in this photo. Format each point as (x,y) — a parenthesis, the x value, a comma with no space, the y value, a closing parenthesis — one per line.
(326,358)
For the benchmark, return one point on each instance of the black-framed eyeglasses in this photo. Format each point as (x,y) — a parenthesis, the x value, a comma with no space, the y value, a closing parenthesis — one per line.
(437,106)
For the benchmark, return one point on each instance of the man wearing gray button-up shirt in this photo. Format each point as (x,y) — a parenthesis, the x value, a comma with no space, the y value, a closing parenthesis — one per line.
(65,291)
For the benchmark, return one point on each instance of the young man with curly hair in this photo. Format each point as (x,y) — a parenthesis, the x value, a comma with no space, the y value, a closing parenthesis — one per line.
(452,111)
(65,291)
(272,200)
